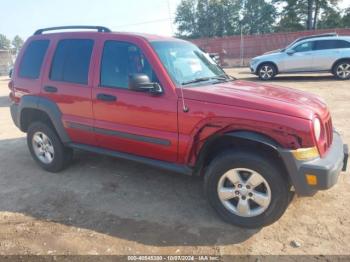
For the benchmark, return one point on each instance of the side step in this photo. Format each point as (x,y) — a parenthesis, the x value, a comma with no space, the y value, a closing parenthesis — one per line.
(182,169)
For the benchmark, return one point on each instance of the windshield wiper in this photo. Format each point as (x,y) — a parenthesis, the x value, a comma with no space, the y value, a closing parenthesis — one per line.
(228,77)
(204,79)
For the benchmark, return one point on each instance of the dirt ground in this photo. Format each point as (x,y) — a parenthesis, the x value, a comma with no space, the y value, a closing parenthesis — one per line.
(102,205)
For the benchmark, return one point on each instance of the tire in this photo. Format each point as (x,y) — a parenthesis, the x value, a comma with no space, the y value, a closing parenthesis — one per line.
(47,149)
(267,71)
(242,163)
(341,70)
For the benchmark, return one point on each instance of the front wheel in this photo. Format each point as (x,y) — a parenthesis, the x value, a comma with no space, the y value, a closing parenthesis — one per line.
(267,71)
(342,70)
(246,189)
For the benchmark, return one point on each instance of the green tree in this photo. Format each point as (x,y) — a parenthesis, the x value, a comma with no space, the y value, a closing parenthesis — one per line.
(331,18)
(17,43)
(346,18)
(258,16)
(186,19)
(290,18)
(207,18)
(307,13)
(4,42)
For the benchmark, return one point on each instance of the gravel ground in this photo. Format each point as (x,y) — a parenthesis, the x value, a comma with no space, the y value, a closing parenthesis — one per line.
(102,205)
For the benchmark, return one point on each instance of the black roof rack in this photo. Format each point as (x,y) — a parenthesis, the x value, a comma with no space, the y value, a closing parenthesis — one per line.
(315,36)
(100,29)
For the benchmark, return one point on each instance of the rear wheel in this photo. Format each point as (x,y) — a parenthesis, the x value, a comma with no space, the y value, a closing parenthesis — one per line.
(267,71)
(342,70)
(46,148)
(246,189)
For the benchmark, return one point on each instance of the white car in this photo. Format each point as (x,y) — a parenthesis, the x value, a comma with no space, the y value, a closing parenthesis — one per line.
(318,53)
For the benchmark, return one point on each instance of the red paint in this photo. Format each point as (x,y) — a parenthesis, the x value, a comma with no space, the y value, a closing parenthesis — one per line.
(283,114)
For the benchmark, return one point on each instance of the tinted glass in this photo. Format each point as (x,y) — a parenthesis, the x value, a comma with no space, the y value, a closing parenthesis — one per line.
(304,47)
(325,44)
(121,59)
(72,60)
(33,58)
(342,44)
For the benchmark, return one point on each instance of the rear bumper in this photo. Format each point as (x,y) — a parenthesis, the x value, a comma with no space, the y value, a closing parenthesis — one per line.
(14,114)
(325,169)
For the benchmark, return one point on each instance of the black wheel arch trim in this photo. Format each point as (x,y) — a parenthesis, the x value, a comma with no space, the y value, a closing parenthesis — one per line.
(246,135)
(48,107)
(256,137)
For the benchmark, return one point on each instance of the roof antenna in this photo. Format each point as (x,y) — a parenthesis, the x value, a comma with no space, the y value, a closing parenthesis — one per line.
(184,106)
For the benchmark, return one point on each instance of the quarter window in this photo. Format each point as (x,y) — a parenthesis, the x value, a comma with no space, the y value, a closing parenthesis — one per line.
(72,60)
(33,58)
(342,44)
(119,61)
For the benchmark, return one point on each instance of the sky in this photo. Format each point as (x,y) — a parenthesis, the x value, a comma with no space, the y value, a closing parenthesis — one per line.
(23,17)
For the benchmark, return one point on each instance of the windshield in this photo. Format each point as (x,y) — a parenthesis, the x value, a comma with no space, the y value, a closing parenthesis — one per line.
(186,63)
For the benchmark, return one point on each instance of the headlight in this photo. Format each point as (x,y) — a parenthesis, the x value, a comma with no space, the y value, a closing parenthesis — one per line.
(317,129)
(254,61)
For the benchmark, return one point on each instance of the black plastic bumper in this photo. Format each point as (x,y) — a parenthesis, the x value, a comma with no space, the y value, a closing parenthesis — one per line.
(326,169)
(14,114)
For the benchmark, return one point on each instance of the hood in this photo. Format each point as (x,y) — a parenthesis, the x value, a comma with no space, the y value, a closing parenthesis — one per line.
(263,97)
(268,55)
(273,51)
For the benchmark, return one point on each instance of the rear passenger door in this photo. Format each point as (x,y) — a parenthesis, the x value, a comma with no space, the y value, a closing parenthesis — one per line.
(67,83)
(326,53)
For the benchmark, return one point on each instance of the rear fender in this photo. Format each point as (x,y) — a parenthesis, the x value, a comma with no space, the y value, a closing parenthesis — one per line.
(47,106)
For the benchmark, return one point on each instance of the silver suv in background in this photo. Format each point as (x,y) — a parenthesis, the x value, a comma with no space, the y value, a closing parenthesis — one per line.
(318,53)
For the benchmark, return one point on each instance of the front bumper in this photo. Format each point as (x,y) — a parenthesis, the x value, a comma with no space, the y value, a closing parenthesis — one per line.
(325,169)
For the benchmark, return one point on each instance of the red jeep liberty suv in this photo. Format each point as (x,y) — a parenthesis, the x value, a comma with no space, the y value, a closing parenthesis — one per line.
(163,102)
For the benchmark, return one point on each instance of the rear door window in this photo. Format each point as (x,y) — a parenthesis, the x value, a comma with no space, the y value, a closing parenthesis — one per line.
(71,61)
(33,58)
(325,44)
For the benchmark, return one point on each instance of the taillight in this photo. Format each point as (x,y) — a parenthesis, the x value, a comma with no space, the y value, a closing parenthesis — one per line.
(10,85)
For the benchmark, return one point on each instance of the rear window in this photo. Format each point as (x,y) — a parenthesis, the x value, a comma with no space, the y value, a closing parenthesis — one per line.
(72,60)
(33,58)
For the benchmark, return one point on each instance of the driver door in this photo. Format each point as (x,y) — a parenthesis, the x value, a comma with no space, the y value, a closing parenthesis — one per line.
(127,121)
(300,59)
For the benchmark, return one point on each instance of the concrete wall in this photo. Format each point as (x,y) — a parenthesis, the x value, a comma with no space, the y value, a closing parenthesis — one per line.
(229,47)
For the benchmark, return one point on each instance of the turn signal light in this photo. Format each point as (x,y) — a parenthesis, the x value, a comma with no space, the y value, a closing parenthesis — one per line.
(305,153)
(311,179)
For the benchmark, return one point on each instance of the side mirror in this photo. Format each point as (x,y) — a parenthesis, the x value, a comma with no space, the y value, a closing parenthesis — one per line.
(142,83)
(290,52)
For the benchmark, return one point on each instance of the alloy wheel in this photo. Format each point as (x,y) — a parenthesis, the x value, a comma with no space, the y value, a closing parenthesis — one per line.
(43,147)
(343,70)
(244,192)
(266,72)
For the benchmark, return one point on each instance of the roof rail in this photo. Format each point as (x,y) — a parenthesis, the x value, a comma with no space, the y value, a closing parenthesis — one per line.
(315,36)
(100,29)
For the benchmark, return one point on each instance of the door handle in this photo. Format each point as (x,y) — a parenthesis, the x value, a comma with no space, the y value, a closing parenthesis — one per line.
(50,89)
(106,97)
